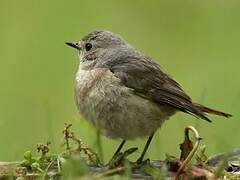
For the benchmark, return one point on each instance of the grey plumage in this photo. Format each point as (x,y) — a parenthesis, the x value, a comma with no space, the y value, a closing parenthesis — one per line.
(124,93)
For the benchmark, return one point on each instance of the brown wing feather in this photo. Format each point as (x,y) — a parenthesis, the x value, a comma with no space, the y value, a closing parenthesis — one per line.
(148,80)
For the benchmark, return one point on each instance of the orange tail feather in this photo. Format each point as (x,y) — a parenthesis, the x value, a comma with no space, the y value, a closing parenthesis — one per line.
(212,111)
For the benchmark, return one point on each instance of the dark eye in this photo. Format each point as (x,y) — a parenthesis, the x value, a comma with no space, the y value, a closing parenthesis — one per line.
(88,46)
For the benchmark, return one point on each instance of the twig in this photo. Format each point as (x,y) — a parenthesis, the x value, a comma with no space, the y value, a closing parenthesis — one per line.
(58,165)
(46,170)
(191,154)
(67,135)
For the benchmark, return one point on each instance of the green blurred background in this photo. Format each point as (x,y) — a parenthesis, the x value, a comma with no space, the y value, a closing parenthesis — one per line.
(197,42)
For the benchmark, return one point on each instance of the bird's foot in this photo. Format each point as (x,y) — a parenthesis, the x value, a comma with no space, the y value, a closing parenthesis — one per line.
(120,158)
(142,162)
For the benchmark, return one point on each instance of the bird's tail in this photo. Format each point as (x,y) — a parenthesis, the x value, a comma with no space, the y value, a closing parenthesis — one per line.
(211,111)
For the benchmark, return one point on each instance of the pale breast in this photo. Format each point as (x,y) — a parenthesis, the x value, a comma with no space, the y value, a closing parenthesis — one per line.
(113,108)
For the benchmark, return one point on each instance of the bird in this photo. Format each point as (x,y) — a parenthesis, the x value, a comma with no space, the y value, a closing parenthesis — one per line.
(124,93)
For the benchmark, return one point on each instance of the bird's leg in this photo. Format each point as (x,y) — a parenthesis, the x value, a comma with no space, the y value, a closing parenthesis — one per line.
(119,148)
(140,159)
(114,157)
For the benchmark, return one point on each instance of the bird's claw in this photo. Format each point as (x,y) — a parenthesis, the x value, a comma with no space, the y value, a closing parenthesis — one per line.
(120,158)
(142,162)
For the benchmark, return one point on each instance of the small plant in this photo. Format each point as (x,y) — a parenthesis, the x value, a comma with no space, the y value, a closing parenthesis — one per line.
(201,156)
(78,157)
(87,153)
(79,160)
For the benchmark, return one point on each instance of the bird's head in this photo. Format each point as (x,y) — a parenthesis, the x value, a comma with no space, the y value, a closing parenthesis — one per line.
(95,45)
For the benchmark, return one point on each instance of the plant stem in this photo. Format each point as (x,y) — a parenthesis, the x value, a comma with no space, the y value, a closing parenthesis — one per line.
(191,154)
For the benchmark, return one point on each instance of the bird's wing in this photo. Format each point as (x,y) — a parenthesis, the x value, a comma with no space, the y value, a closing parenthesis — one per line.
(149,81)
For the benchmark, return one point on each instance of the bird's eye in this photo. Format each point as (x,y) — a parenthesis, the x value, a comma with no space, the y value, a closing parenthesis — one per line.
(88,46)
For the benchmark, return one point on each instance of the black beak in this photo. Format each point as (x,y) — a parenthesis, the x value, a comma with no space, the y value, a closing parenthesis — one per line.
(74,44)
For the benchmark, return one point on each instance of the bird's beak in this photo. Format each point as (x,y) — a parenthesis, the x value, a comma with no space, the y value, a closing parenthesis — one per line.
(74,44)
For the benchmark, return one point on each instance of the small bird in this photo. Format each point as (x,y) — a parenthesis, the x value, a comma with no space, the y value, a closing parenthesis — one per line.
(124,93)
